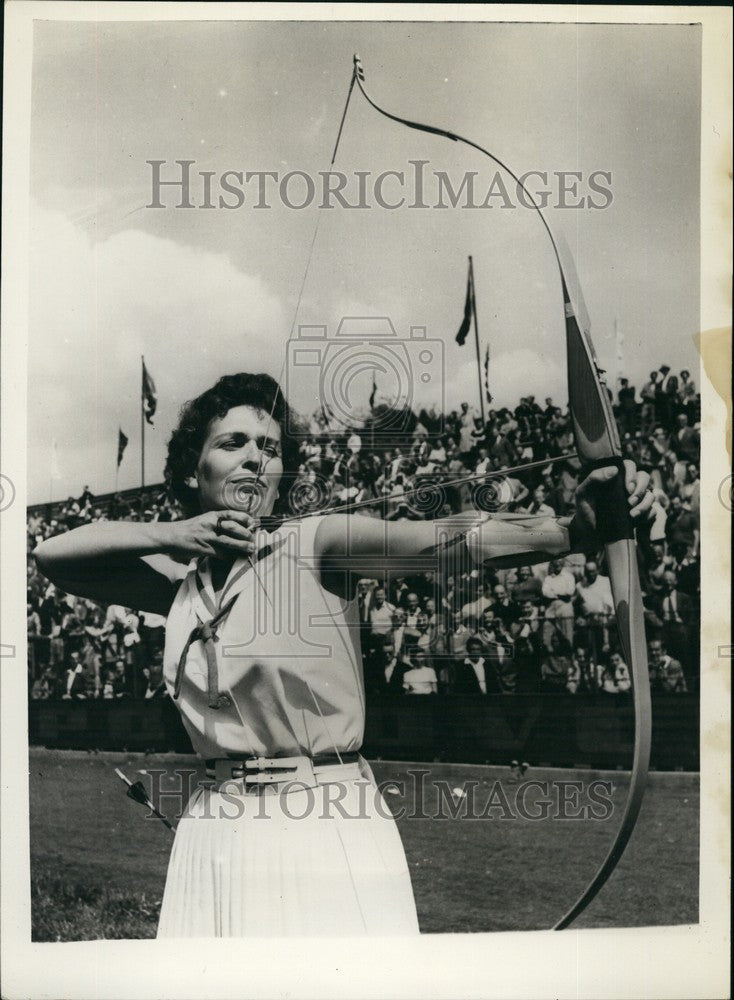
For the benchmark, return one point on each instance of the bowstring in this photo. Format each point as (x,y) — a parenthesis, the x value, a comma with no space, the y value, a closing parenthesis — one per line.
(278,391)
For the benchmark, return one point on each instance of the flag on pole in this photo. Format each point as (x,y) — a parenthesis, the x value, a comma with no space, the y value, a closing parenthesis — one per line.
(150,397)
(619,344)
(468,310)
(374,391)
(326,413)
(486,375)
(121,445)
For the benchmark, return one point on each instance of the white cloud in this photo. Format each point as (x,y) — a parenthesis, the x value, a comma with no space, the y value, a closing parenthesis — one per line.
(95,308)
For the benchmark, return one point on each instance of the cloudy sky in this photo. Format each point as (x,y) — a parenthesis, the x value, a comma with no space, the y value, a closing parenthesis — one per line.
(203,292)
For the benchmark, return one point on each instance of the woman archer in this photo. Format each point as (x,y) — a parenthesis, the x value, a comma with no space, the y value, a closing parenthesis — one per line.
(262,659)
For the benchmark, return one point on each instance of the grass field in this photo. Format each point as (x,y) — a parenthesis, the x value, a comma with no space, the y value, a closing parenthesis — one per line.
(98,865)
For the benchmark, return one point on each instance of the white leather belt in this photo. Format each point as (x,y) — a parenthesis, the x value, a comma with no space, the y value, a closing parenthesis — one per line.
(259,774)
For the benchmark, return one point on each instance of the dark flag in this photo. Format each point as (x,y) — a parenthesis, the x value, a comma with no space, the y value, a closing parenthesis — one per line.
(374,392)
(468,309)
(486,375)
(150,398)
(121,446)
(326,413)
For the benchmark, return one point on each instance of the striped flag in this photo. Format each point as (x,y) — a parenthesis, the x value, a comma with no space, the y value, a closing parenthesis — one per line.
(486,375)
(121,445)
(150,397)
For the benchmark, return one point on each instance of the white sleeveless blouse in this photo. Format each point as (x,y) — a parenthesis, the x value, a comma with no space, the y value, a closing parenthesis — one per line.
(288,655)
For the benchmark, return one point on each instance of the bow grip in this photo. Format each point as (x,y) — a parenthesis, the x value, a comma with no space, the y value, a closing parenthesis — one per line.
(613,521)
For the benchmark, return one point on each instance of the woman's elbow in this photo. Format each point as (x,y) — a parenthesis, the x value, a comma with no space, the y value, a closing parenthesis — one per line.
(40,557)
(47,560)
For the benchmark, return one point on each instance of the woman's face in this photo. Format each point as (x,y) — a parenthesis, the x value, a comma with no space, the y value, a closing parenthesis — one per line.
(241,464)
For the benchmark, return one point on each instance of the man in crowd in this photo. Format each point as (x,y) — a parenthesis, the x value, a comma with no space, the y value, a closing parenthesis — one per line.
(666,674)
(420,678)
(595,602)
(559,588)
(471,675)
(676,611)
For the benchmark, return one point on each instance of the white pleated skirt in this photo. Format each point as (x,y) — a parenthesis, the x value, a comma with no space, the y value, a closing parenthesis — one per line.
(311,861)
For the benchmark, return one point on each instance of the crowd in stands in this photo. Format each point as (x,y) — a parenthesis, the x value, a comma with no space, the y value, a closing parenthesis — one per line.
(458,628)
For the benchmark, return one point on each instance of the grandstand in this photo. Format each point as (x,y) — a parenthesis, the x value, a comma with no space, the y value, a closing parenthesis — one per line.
(524,664)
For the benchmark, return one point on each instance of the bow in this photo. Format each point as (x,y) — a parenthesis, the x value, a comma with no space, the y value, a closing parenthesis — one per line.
(597,445)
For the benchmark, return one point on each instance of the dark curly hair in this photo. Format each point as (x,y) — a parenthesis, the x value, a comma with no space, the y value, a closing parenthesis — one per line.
(244,389)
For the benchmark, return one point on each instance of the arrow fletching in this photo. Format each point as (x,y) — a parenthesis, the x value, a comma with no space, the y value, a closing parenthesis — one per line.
(136,792)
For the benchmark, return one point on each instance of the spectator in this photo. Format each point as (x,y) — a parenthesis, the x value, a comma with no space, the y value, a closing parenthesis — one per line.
(75,686)
(459,636)
(416,622)
(687,395)
(498,655)
(504,607)
(627,407)
(37,649)
(527,649)
(558,589)
(584,675)
(421,677)
(620,673)
(108,688)
(688,440)
(677,612)
(380,615)
(556,666)
(648,394)
(595,601)
(666,674)
(155,686)
(152,632)
(690,491)
(472,611)
(471,675)
(44,687)
(682,525)
(527,586)
(364,600)
(687,568)
(538,504)
(608,683)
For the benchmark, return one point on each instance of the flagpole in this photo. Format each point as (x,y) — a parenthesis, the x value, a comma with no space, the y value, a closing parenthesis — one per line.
(372,409)
(476,338)
(54,472)
(142,422)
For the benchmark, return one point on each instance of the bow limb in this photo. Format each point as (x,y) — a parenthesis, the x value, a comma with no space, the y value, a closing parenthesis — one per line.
(597,444)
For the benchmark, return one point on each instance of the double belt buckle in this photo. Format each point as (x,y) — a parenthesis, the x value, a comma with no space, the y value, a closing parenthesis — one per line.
(264,771)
